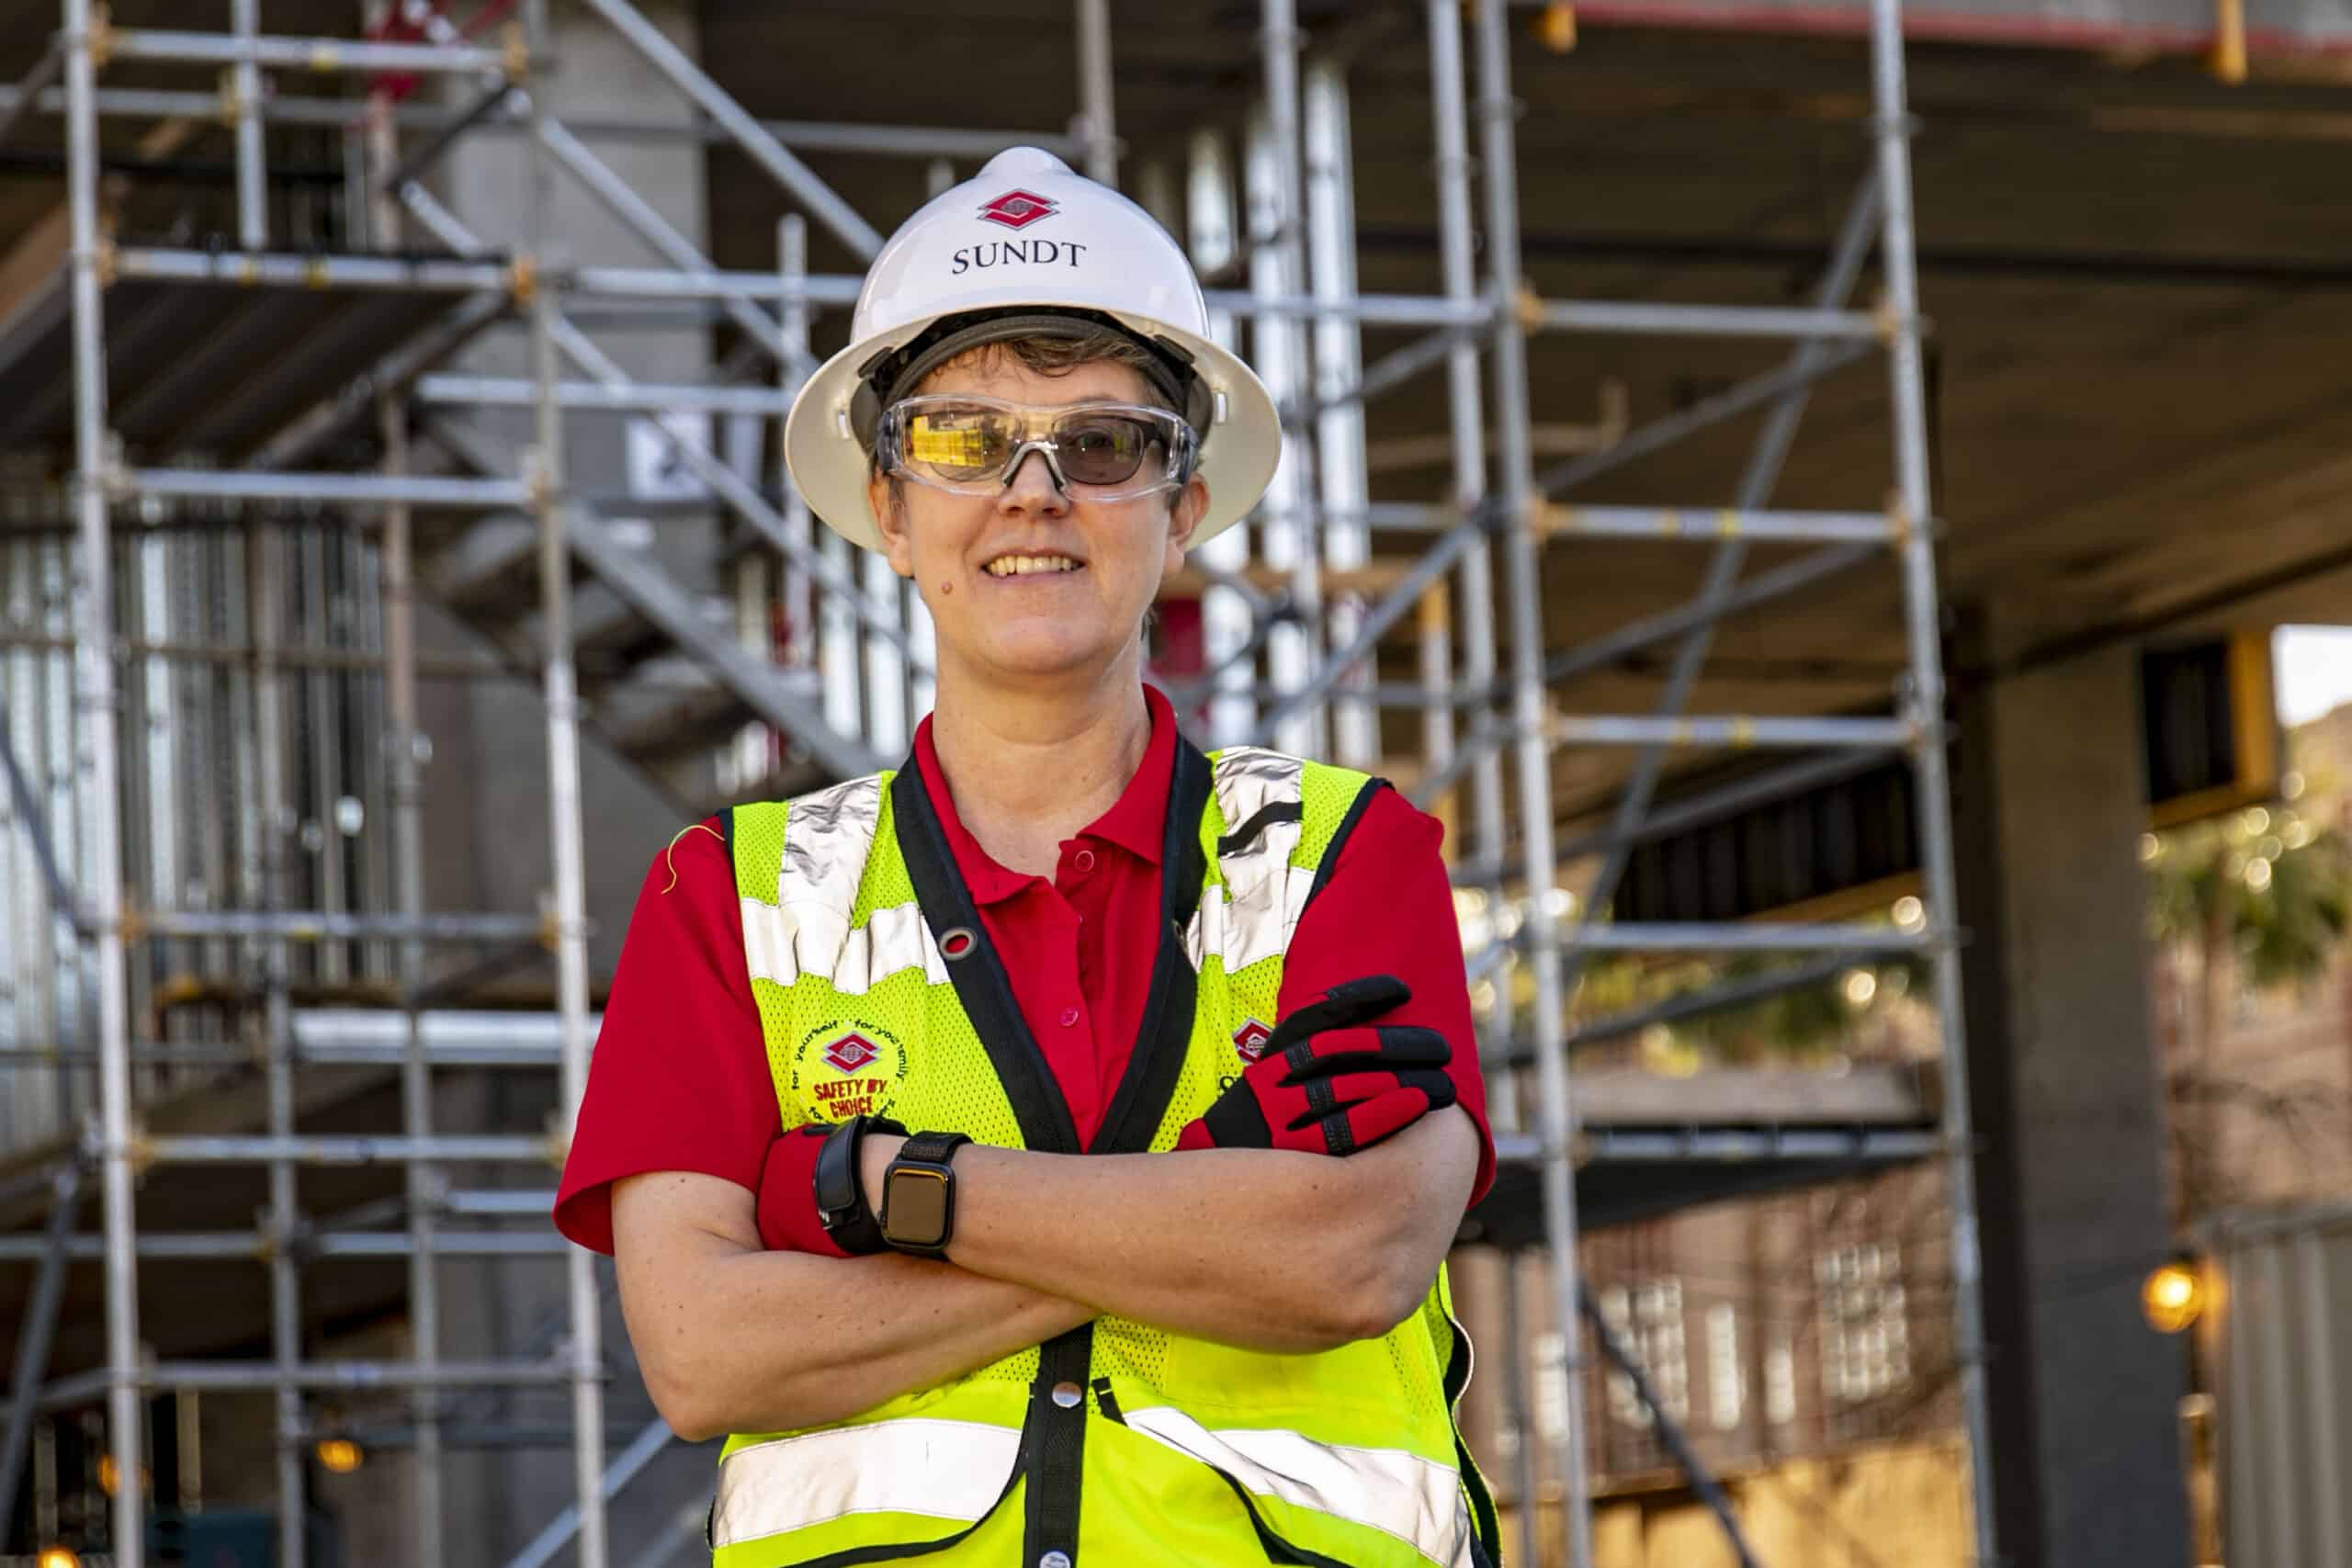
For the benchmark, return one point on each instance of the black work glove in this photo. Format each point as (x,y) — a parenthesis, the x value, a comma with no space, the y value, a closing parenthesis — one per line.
(1330,1081)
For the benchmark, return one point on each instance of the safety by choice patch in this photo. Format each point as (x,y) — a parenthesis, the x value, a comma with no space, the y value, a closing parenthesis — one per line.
(847,1068)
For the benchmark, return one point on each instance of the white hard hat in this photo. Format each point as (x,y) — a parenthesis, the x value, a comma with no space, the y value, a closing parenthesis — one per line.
(1026,247)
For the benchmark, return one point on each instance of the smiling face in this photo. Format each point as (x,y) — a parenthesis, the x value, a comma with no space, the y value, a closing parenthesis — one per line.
(1031,581)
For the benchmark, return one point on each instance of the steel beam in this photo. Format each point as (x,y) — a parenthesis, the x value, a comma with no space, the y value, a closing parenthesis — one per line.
(1738,732)
(95,701)
(640,216)
(29,90)
(1925,700)
(319,54)
(262,269)
(795,176)
(206,1148)
(360,489)
(634,396)
(1516,492)
(260,1245)
(1760,936)
(1699,1002)
(627,1464)
(35,1331)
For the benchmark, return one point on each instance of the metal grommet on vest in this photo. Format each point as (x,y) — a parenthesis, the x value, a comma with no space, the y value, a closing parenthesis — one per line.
(1054,1560)
(958,941)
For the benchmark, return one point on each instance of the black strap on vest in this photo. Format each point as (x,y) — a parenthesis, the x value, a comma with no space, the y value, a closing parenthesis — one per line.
(1053,1438)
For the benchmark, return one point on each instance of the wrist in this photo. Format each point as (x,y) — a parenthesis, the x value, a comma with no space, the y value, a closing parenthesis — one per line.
(787,1213)
(874,1153)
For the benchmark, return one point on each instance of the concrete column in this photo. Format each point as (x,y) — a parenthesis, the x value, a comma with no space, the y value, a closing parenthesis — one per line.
(2051,800)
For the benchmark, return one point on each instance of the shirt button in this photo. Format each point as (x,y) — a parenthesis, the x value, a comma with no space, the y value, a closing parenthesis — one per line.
(1083,861)
(1066,1395)
(1070,1018)
(1054,1560)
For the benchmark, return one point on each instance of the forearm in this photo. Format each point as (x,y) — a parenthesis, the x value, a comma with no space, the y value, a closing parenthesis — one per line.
(1264,1249)
(735,1339)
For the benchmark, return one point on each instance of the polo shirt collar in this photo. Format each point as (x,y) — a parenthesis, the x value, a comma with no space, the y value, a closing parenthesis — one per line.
(1135,822)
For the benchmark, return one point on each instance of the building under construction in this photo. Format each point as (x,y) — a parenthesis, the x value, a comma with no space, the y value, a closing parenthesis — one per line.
(1713,430)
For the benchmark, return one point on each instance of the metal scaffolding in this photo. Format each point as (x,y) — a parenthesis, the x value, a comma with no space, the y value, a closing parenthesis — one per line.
(233,700)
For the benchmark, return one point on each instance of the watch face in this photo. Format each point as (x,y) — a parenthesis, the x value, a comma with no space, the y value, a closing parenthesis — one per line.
(915,1209)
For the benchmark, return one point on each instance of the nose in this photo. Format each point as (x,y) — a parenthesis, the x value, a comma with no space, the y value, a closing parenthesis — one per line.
(1032,488)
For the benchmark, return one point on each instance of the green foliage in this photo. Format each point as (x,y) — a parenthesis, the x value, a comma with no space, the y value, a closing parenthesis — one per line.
(2275,892)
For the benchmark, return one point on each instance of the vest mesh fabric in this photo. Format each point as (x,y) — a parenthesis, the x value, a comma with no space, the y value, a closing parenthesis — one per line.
(918,1059)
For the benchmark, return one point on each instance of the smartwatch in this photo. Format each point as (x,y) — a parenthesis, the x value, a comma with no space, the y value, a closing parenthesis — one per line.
(918,1194)
(841,1195)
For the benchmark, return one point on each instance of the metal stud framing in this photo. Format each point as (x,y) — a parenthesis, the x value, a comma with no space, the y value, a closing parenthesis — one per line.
(1307,636)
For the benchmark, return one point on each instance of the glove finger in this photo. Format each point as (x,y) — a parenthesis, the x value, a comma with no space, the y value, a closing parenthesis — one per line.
(1195,1135)
(1393,1046)
(1349,1002)
(1337,1096)
(1383,1116)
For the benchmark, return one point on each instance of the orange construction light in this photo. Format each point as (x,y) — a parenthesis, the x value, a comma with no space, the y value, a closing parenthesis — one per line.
(341,1456)
(1557,27)
(2173,1298)
(57,1557)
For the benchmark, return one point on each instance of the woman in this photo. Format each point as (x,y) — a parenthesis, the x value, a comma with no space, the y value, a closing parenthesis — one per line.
(966,1135)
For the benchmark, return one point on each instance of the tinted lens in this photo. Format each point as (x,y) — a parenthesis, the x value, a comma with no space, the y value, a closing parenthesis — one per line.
(1101,449)
(959,443)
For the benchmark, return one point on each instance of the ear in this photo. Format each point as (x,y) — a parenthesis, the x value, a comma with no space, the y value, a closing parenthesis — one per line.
(1191,505)
(890,520)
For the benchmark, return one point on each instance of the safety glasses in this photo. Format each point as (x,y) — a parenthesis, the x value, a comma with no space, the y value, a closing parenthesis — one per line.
(973,445)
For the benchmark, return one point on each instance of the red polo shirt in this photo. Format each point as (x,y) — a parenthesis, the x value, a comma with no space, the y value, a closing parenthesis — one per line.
(679,1078)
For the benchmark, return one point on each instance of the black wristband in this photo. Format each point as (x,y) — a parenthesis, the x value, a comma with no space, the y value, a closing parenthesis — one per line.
(918,1194)
(840,1191)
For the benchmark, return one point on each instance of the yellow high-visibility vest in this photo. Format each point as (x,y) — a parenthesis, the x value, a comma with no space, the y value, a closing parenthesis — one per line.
(1117,1443)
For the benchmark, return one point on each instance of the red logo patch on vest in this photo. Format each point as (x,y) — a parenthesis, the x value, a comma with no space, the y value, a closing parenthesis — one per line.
(849,1053)
(1250,1040)
(1019,208)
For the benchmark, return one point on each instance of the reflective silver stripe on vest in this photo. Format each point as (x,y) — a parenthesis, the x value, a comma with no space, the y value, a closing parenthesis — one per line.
(945,1470)
(1253,914)
(827,837)
(1390,1490)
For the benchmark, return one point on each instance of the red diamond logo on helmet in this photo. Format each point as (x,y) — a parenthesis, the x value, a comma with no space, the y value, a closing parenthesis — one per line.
(851,1051)
(1018,209)
(1250,1040)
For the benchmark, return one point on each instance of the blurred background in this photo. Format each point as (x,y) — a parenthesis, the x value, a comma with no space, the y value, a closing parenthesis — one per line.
(1839,509)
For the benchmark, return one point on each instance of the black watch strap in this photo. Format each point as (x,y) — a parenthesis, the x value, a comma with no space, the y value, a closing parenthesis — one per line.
(841,1193)
(921,1169)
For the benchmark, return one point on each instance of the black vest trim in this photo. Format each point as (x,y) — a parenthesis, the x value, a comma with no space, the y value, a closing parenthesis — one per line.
(1053,1437)
(1331,860)
(1053,1447)
(1165,1037)
(981,984)
(1486,1526)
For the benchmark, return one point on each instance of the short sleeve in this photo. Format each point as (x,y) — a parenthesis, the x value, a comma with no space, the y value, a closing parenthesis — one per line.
(679,1080)
(1388,909)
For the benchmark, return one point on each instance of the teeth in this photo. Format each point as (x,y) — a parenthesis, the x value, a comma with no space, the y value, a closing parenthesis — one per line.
(1023,566)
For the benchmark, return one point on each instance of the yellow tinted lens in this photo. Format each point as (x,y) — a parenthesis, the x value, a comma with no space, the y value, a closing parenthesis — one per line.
(958,445)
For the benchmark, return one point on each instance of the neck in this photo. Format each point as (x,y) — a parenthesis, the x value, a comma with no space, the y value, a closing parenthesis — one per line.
(1030,767)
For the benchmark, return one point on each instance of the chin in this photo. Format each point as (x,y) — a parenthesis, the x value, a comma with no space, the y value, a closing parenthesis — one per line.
(1049,651)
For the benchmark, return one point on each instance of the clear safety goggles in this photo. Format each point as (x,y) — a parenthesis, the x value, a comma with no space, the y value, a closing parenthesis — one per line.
(973,445)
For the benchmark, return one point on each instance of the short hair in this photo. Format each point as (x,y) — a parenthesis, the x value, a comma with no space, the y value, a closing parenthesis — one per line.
(1061,355)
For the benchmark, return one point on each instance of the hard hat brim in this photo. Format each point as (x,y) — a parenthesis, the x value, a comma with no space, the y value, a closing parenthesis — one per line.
(829,464)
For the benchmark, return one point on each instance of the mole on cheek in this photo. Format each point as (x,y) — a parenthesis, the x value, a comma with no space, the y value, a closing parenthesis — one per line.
(946,588)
